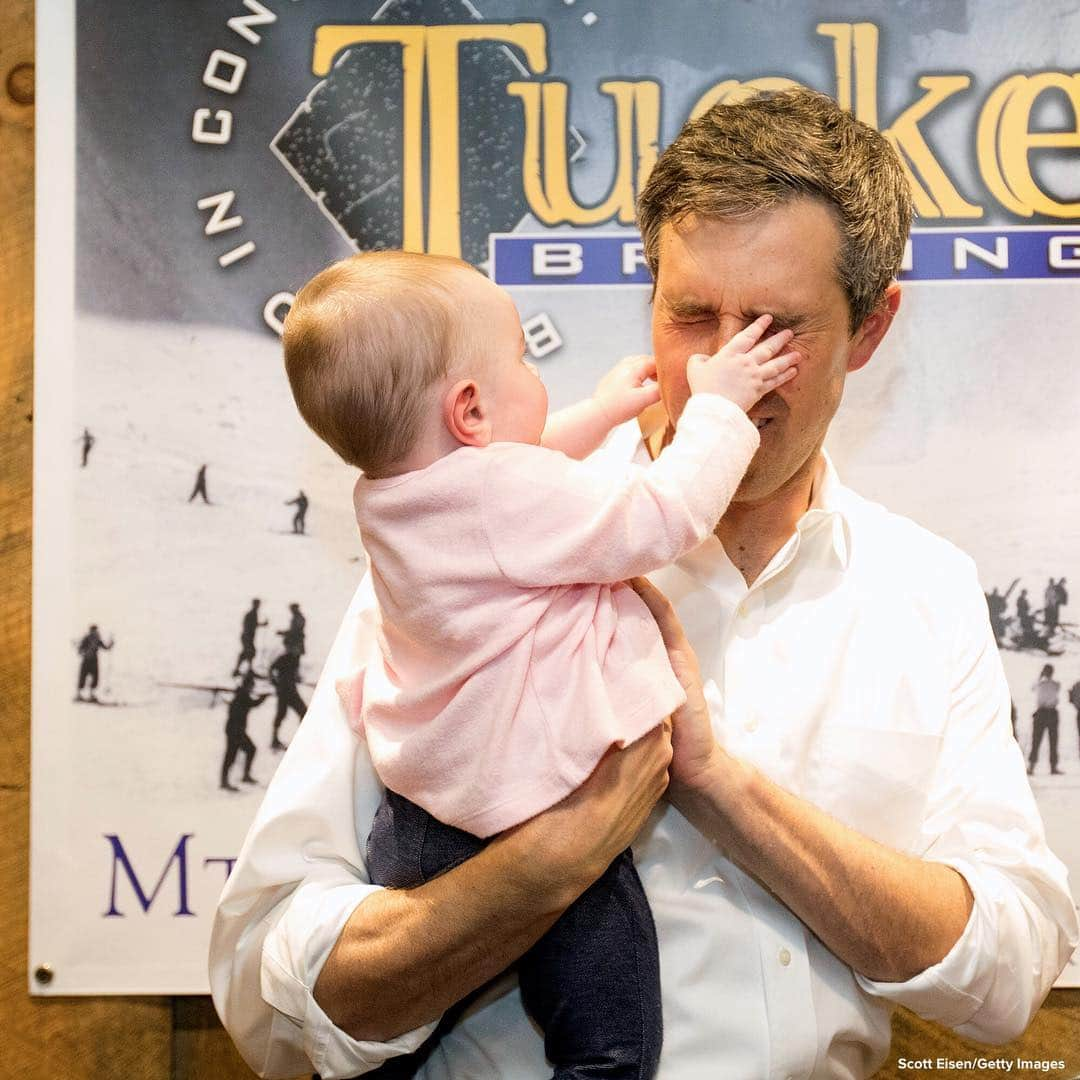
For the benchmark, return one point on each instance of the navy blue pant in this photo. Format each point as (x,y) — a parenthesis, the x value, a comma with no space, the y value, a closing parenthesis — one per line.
(592,982)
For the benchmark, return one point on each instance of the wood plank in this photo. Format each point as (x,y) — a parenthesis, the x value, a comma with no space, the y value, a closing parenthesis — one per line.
(74,1038)
(201,1048)
(1053,1034)
(16,374)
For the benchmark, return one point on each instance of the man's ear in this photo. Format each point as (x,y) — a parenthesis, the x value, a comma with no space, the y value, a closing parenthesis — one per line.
(875,326)
(465,414)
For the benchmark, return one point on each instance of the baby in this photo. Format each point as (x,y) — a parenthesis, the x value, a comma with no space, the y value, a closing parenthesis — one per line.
(510,654)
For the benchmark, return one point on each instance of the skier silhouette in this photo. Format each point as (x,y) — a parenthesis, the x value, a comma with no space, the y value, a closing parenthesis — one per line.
(293,638)
(1024,616)
(1051,607)
(1045,718)
(247,636)
(236,736)
(285,674)
(301,504)
(88,441)
(1074,701)
(88,648)
(200,485)
(1056,597)
(996,604)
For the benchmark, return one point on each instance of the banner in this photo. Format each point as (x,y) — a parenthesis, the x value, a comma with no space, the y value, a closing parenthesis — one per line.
(198,162)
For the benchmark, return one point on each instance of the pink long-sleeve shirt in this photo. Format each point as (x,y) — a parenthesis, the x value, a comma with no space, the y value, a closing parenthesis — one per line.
(509,655)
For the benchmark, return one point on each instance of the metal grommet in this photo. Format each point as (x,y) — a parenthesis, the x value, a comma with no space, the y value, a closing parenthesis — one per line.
(43,974)
(20,84)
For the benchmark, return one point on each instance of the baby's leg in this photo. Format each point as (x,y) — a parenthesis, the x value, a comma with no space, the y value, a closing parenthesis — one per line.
(592,982)
(407,847)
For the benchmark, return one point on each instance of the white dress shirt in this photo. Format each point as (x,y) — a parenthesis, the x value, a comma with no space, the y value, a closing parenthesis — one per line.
(859,672)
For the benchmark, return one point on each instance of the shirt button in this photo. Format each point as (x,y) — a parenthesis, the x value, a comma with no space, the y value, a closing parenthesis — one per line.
(785,957)
(751,724)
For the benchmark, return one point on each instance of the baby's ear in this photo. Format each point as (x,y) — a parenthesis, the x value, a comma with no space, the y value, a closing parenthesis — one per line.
(465,414)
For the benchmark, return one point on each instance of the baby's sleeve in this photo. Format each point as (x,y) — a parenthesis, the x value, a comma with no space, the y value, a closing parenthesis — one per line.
(550,520)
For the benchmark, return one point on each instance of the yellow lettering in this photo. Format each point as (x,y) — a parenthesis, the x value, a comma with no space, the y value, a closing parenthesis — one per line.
(938,198)
(855,49)
(444,197)
(436,48)
(545,169)
(647,129)
(1004,142)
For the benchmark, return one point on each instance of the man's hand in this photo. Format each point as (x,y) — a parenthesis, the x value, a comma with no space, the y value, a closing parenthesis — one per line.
(695,752)
(747,367)
(627,389)
(581,835)
(406,955)
(886,914)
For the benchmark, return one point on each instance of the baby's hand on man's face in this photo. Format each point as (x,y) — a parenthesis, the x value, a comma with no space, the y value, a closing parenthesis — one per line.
(628,388)
(747,367)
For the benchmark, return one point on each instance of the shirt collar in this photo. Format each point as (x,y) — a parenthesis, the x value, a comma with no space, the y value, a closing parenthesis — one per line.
(828,503)
(827,509)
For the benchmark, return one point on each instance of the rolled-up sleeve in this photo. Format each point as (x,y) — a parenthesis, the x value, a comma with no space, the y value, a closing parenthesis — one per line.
(983,821)
(299,876)
(295,949)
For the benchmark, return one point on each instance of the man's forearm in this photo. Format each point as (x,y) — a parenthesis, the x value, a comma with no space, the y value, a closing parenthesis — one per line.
(887,915)
(406,955)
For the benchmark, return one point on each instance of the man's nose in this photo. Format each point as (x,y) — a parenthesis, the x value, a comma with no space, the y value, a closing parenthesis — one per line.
(727,327)
(724,329)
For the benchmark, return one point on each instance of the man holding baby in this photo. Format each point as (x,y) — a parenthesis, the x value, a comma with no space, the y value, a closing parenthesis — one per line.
(847,823)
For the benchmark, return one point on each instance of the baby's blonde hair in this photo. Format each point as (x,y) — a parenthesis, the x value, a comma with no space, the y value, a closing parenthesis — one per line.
(365,341)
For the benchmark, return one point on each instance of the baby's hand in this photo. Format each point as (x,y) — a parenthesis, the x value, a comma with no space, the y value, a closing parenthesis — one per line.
(628,388)
(746,368)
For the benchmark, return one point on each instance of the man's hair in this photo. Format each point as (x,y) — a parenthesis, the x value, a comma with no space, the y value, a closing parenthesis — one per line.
(365,341)
(739,160)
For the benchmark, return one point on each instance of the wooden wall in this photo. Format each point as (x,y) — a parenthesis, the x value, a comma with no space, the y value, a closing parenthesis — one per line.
(161,1038)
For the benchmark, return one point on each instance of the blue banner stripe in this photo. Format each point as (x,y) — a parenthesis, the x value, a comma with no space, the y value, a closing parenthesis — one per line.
(1018,254)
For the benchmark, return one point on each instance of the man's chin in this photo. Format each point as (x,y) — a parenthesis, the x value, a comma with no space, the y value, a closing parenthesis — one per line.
(765,479)
(755,489)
